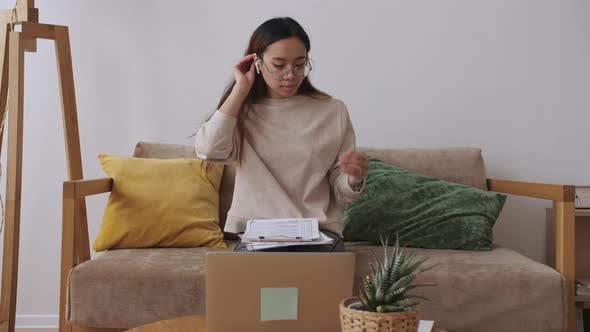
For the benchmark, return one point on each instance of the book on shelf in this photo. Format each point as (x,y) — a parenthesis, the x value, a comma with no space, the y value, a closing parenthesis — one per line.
(583,286)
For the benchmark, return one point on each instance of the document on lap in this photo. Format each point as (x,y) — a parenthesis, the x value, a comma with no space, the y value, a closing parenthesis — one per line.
(273,233)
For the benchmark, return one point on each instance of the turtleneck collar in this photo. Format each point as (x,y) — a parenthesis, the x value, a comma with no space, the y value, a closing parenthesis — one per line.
(280,101)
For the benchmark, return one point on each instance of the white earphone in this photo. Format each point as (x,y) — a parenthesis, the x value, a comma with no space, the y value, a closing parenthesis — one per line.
(257,65)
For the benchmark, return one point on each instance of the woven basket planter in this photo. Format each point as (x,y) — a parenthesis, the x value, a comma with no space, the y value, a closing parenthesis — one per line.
(353,320)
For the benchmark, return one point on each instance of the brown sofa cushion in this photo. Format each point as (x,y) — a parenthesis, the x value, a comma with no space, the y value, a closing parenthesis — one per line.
(126,288)
(487,291)
(497,291)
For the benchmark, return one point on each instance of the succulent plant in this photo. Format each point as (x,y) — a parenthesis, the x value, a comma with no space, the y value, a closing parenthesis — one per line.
(387,289)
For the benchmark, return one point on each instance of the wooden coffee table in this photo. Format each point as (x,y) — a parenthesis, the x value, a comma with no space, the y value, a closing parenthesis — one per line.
(183,324)
(189,324)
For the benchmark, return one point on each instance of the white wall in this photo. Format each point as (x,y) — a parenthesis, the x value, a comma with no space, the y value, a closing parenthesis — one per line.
(511,77)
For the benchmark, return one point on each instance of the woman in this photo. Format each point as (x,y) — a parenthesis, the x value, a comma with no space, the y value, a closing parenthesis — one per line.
(294,145)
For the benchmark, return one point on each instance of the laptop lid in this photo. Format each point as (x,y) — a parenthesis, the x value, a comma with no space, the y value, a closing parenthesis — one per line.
(277,291)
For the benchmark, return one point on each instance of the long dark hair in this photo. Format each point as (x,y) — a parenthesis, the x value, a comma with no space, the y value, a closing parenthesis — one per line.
(267,33)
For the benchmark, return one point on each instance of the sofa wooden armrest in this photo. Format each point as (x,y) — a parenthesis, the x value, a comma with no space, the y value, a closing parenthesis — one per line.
(563,197)
(75,245)
(83,188)
(554,192)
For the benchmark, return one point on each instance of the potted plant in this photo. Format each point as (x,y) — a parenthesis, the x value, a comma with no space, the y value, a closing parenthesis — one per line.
(385,303)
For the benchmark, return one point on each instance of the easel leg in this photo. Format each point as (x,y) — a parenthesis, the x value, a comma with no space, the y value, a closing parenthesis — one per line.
(4,73)
(76,248)
(13,183)
(72,134)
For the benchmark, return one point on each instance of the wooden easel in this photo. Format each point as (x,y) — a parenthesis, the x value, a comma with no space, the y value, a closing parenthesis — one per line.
(12,67)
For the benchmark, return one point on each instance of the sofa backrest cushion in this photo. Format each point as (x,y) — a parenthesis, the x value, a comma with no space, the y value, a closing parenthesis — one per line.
(459,165)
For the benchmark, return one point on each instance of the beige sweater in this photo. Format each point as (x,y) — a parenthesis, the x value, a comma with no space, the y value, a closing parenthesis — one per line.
(288,169)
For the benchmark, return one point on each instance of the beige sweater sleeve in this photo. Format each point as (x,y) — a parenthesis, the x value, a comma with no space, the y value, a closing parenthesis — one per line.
(217,139)
(342,190)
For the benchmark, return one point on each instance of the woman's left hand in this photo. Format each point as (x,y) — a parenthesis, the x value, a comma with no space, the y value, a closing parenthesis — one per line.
(355,165)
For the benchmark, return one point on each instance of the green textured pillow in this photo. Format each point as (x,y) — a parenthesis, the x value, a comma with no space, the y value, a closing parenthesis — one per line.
(423,211)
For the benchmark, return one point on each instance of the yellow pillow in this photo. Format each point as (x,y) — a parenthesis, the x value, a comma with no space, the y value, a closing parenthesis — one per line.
(160,203)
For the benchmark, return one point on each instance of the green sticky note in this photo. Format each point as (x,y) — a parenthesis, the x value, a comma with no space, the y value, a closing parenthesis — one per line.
(278,303)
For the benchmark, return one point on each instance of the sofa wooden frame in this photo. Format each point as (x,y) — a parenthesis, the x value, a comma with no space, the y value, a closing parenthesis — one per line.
(76,247)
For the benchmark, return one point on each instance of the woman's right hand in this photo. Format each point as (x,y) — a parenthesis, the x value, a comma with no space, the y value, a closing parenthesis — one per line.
(244,73)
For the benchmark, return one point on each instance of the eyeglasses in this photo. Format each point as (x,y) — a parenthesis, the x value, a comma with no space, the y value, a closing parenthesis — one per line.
(281,72)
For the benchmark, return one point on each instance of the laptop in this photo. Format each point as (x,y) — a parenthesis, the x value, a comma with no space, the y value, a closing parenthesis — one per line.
(277,291)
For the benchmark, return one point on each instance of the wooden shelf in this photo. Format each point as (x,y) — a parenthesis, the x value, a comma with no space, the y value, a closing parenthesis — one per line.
(583,298)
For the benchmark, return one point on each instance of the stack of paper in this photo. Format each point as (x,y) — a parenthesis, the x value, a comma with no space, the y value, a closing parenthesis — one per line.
(323,239)
(273,233)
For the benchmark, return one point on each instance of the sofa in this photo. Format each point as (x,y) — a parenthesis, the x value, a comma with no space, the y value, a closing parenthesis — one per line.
(480,291)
